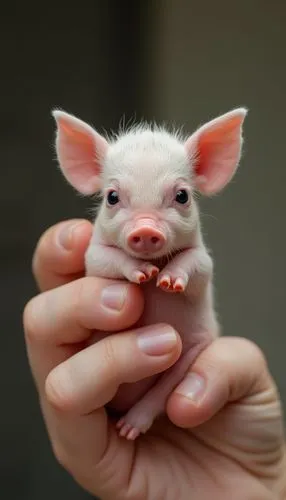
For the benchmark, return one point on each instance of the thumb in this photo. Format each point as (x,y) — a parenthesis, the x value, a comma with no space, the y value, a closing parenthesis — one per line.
(228,370)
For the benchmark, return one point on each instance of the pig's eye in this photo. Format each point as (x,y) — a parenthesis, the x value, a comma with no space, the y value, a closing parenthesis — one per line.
(112,198)
(182,196)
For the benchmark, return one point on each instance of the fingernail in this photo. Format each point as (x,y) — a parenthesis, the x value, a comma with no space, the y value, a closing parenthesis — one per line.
(65,236)
(157,342)
(114,296)
(192,387)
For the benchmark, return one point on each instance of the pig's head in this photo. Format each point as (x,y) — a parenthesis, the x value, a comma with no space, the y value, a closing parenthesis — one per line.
(148,177)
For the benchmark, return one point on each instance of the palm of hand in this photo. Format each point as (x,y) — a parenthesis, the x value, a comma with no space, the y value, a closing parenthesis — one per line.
(236,454)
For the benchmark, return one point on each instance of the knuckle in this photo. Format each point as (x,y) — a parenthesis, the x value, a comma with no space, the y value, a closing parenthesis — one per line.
(40,251)
(30,321)
(256,353)
(82,292)
(110,358)
(248,349)
(57,395)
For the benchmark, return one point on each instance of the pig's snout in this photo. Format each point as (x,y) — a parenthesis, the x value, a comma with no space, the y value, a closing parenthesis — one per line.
(146,239)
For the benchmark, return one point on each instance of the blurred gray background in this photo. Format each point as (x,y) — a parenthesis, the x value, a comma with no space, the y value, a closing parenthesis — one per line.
(177,61)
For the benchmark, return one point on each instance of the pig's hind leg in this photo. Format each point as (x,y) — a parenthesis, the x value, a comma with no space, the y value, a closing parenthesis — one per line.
(142,415)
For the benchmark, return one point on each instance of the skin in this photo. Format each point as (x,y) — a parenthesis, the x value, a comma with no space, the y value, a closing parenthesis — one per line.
(144,234)
(226,443)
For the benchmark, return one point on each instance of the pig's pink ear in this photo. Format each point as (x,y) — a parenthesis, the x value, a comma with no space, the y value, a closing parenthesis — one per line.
(81,151)
(215,150)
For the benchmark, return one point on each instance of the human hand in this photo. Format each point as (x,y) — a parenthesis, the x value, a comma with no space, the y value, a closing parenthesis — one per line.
(227,441)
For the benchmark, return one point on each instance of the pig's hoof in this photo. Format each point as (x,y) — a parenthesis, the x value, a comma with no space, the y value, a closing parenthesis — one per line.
(134,423)
(145,272)
(164,282)
(171,283)
(127,430)
(179,285)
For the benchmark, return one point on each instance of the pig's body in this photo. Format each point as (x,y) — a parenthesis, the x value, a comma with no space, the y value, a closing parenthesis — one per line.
(148,231)
(190,312)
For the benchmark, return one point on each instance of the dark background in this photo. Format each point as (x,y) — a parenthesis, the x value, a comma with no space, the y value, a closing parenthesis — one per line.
(183,62)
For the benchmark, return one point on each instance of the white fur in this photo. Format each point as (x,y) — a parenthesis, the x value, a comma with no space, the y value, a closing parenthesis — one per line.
(147,166)
(144,162)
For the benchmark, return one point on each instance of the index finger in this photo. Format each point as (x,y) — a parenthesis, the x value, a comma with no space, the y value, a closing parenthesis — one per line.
(59,254)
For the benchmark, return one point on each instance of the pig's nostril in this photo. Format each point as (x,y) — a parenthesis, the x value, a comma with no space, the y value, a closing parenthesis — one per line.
(154,239)
(146,240)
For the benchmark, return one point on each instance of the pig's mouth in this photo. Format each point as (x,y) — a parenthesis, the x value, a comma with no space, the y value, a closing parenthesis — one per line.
(148,255)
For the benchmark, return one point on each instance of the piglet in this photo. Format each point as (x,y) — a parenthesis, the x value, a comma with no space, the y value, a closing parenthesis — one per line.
(148,231)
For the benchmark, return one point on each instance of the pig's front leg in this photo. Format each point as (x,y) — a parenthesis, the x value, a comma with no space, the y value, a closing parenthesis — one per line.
(142,415)
(194,263)
(110,262)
